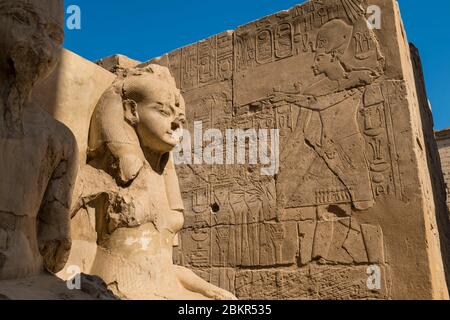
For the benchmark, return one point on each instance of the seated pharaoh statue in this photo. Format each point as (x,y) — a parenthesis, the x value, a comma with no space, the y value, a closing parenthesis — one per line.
(130,205)
(38,156)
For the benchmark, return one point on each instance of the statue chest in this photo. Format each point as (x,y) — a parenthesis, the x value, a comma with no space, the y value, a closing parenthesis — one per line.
(24,181)
(150,201)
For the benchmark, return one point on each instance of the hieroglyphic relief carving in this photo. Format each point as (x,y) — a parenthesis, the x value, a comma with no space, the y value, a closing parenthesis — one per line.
(378,133)
(342,241)
(189,69)
(336,100)
(225,59)
(319,74)
(206,62)
(315,283)
(244,231)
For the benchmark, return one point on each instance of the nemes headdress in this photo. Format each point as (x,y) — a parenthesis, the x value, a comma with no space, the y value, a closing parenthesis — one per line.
(111,136)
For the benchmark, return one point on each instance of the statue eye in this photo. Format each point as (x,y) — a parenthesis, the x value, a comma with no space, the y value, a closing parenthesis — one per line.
(163,111)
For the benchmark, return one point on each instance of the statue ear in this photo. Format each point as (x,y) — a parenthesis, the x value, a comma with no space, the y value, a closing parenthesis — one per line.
(334,55)
(130,112)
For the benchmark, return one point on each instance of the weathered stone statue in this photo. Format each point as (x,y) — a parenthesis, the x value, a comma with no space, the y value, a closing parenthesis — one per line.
(131,194)
(38,157)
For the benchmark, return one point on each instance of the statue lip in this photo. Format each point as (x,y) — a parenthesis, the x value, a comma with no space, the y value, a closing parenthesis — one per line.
(172,135)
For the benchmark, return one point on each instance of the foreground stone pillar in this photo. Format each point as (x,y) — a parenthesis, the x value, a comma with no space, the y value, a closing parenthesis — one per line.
(38,154)
(352,212)
(38,157)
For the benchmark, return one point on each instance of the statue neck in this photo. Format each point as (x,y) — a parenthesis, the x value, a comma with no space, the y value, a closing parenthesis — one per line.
(336,72)
(156,159)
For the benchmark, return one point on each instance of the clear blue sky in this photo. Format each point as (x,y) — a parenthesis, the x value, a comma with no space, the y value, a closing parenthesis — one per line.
(143,29)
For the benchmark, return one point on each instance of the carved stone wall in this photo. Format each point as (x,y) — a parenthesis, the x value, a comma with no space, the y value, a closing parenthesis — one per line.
(354,192)
(429,152)
(443,140)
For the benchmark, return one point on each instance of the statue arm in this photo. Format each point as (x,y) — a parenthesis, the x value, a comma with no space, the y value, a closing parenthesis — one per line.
(194,283)
(316,103)
(312,103)
(309,102)
(54,216)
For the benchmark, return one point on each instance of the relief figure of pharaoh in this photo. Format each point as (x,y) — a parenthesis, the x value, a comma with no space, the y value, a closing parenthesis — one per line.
(329,112)
(131,190)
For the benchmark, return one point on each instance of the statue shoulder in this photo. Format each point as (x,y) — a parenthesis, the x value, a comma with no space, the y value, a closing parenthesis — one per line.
(41,124)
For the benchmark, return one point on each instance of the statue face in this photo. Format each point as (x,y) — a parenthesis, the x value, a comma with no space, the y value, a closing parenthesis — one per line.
(322,63)
(31,34)
(161,112)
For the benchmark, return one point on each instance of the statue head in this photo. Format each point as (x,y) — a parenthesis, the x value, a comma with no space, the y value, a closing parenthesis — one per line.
(332,42)
(31,35)
(154,107)
(143,109)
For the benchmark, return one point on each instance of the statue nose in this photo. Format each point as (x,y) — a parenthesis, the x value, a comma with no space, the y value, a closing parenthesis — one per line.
(175,125)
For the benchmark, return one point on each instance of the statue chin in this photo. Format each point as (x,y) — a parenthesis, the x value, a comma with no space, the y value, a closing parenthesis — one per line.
(164,145)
